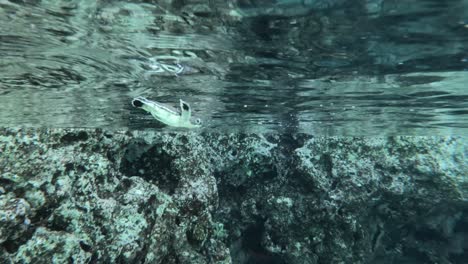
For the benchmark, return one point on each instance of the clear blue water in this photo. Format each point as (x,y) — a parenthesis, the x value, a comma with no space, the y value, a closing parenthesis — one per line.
(321,67)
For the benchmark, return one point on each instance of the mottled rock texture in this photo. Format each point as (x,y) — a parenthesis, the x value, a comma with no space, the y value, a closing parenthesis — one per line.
(94,196)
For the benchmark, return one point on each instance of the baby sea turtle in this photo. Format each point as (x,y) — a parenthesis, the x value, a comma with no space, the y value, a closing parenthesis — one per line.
(167,114)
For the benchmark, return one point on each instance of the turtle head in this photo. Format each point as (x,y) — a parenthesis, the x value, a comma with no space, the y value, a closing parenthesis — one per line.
(143,103)
(138,102)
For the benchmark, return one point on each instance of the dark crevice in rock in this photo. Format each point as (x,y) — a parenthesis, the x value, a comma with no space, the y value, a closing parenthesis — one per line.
(110,155)
(253,248)
(252,237)
(73,137)
(55,176)
(171,257)
(12,245)
(69,167)
(192,240)
(85,247)
(193,207)
(140,258)
(152,163)
(7,184)
(124,185)
(290,142)
(149,207)
(58,224)
(40,218)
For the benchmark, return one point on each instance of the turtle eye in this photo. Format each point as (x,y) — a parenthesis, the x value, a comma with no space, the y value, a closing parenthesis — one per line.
(198,121)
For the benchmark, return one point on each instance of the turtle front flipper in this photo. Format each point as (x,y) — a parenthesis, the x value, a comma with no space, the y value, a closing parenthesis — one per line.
(185,111)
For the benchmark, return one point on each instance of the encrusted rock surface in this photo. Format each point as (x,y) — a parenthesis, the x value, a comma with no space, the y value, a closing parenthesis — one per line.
(95,196)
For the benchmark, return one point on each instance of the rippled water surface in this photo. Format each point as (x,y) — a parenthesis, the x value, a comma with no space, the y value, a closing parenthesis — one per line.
(323,67)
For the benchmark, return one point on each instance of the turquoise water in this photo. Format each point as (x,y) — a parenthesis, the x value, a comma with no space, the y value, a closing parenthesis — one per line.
(321,67)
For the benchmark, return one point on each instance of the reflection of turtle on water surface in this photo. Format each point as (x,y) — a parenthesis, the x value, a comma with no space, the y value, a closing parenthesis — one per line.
(167,114)
(168,66)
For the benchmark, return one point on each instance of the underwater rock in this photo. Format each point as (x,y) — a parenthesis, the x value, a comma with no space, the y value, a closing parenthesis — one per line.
(134,196)
(14,220)
(58,247)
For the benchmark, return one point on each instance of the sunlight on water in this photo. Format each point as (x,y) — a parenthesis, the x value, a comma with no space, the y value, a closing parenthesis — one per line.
(321,67)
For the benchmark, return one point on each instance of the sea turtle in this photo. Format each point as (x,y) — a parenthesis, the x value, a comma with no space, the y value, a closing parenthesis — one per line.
(167,114)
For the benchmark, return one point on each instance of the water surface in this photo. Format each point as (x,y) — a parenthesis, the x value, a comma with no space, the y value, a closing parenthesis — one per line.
(321,67)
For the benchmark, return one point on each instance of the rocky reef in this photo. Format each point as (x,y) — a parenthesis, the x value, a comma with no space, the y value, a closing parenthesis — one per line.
(97,196)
